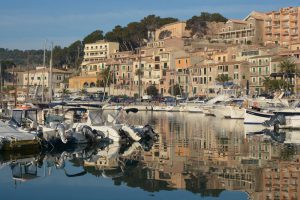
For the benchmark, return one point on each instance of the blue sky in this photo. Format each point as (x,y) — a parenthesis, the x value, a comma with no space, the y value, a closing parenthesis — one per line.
(26,24)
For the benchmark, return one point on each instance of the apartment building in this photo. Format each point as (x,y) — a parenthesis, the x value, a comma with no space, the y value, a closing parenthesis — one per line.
(99,51)
(246,31)
(41,76)
(183,65)
(282,26)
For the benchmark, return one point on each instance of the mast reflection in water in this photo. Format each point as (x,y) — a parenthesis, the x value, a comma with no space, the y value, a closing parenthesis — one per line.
(195,157)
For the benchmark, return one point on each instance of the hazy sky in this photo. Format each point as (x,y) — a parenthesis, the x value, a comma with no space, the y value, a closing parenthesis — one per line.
(26,24)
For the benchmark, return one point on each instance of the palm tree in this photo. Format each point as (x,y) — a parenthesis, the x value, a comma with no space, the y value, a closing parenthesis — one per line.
(267,82)
(82,92)
(65,92)
(139,72)
(289,71)
(274,85)
(223,78)
(107,78)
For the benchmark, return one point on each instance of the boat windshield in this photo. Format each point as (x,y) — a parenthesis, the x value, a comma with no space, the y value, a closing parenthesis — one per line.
(31,114)
(95,117)
(16,117)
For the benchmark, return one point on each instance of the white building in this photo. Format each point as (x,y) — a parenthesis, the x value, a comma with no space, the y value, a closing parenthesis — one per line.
(40,76)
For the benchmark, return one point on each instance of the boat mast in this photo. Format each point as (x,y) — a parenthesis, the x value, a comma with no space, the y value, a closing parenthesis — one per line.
(27,90)
(1,84)
(50,75)
(15,86)
(43,76)
(140,71)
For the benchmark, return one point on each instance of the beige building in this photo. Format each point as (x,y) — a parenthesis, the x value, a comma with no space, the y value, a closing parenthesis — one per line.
(282,26)
(176,29)
(246,31)
(99,51)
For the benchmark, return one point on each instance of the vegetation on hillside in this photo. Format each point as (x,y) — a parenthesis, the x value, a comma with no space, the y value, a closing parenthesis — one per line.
(198,24)
(130,37)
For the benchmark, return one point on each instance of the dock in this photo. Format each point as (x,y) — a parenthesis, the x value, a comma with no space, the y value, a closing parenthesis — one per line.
(14,140)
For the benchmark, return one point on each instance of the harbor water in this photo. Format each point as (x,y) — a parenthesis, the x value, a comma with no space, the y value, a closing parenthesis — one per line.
(195,157)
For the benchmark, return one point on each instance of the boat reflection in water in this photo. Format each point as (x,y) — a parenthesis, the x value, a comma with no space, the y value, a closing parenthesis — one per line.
(193,155)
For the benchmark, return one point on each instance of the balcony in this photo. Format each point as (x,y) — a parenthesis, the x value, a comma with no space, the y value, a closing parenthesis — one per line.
(268,32)
(285,26)
(268,24)
(285,19)
(293,33)
(294,19)
(285,33)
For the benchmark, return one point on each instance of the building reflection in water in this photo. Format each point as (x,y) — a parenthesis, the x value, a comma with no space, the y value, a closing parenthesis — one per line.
(203,155)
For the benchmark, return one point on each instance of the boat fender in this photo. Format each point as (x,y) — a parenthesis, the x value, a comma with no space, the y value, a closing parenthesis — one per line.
(62,133)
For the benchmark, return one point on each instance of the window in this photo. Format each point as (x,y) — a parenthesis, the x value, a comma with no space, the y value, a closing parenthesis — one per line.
(236,76)
(226,68)
(236,66)
(156,66)
(178,61)
(165,65)
(253,69)
(253,79)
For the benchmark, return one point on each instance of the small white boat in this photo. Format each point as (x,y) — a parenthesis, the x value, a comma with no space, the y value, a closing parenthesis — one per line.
(195,109)
(174,108)
(256,116)
(162,108)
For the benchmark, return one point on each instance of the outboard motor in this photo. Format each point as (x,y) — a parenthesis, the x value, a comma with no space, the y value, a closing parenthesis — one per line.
(276,136)
(149,132)
(277,119)
(62,133)
(90,134)
(1,143)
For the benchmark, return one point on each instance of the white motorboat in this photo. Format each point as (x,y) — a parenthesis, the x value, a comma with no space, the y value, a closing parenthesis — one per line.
(162,108)
(256,116)
(112,128)
(194,108)
(288,118)
(60,127)
(237,112)
(174,108)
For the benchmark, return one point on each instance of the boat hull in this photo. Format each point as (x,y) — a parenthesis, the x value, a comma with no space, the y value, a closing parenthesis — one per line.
(256,117)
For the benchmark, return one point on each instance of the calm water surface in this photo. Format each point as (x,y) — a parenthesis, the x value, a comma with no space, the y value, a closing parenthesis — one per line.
(196,157)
